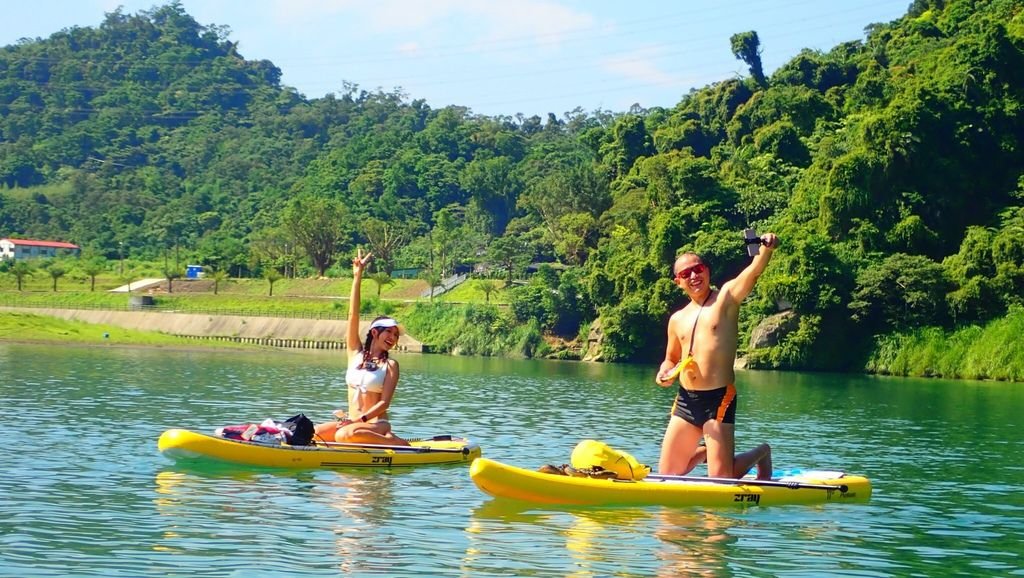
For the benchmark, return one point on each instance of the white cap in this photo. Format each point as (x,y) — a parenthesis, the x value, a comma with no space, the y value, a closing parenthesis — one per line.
(384,323)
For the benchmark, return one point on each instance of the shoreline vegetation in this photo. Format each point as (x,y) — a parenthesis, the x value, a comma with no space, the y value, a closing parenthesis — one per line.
(890,166)
(991,352)
(461,324)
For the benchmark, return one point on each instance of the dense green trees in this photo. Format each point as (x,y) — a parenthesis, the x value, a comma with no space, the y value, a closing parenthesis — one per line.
(891,168)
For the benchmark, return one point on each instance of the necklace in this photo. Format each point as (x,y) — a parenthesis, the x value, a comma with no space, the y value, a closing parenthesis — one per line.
(693,333)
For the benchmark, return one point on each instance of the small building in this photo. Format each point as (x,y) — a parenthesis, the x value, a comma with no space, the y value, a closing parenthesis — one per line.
(194,272)
(32,249)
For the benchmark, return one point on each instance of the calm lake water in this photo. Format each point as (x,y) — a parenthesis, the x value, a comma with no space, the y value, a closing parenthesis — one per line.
(84,491)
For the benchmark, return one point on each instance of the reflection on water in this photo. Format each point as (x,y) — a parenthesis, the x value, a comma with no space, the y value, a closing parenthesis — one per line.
(600,541)
(90,495)
(354,506)
(693,543)
(363,505)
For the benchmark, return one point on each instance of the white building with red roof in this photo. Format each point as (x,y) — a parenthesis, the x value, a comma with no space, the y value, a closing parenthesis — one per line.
(32,249)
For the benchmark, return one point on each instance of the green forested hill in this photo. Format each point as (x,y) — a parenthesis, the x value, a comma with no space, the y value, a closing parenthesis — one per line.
(891,169)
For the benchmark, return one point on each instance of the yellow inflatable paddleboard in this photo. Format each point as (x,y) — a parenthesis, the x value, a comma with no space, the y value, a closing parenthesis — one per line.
(181,444)
(809,487)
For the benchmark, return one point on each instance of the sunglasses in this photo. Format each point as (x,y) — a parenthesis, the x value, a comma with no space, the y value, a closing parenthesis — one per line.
(685,273)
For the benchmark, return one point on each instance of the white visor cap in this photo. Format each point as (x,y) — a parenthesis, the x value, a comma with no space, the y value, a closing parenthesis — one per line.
(384,323)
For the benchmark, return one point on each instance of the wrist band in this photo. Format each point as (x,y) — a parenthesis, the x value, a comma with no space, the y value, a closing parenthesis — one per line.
(362,418)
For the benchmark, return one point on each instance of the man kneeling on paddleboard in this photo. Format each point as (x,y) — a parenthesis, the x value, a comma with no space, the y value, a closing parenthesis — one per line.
(707,330)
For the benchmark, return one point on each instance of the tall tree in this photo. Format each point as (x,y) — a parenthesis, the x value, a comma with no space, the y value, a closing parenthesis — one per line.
(746,46)
(385,240)
(320,226)
(510,254)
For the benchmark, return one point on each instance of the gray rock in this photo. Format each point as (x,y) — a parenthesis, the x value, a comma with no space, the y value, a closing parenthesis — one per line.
(773,329)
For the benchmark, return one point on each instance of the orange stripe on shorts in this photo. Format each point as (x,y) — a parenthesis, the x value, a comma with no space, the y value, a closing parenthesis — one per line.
(730,394)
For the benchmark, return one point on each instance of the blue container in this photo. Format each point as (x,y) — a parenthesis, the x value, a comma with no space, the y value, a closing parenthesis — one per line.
(193,271)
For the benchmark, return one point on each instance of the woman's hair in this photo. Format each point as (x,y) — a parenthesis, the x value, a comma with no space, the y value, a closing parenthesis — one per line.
(369,341)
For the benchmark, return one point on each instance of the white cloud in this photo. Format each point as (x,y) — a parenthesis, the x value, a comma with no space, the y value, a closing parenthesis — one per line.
(548,24)
(641,66)
(408,48)
(533,23)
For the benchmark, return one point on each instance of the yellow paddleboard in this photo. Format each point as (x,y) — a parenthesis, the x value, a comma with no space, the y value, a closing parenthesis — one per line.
(811,487)
(181,444)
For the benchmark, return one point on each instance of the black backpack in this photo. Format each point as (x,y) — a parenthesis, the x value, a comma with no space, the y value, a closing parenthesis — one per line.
(301,428)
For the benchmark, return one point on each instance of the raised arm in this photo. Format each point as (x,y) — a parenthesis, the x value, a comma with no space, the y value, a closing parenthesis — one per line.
(358,266)
(739,287)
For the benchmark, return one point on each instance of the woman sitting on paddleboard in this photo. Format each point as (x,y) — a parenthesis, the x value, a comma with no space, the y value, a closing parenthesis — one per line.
(371,376)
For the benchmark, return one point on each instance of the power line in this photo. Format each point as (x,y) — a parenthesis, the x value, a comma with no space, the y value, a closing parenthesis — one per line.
(689,46)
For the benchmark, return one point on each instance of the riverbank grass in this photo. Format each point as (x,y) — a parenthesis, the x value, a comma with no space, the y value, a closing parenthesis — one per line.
(26,327)
(989,352)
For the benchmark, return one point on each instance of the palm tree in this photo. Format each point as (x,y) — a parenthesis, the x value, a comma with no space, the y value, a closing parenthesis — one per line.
(488,286)
(20,270)
(171,275)
(272,276)
(434,280)
(218,275)
(56,272)
(382,280)
(92,268)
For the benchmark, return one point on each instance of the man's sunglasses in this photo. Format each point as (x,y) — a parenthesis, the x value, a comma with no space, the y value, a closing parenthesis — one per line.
(685,273)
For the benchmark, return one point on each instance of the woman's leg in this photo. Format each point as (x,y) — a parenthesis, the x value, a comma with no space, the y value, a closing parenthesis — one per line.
(369,433)
(325,432)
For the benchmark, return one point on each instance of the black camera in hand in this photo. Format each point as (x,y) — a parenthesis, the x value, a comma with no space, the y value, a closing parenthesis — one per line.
(753,242)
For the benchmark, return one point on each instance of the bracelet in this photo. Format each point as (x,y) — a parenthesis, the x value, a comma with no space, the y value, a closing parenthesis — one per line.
(362,418)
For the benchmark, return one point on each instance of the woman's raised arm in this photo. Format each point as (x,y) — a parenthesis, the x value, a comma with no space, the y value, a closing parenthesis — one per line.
(359,263)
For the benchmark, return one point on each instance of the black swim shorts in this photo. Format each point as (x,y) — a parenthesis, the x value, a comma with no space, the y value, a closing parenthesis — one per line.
(697,407)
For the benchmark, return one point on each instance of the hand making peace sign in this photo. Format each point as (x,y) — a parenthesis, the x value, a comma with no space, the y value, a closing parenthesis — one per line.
(360,261)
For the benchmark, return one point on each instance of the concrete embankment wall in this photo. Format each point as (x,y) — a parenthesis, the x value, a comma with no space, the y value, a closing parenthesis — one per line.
(274,331)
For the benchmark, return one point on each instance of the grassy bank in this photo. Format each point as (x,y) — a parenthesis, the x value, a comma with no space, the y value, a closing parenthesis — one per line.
(27,327)
(460,322)
(989,352)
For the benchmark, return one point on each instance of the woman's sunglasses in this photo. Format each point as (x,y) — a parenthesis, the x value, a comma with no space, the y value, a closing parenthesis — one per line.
(685,273)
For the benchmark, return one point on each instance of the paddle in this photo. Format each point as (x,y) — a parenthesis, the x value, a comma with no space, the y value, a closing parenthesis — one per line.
(412,449)
(745,482)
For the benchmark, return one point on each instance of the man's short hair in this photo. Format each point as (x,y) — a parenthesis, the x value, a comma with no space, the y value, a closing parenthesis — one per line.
(688,253)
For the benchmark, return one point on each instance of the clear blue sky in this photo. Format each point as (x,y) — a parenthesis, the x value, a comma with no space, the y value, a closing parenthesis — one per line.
(499,57)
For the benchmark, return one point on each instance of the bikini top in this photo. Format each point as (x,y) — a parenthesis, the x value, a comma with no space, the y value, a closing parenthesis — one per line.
(365,379)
